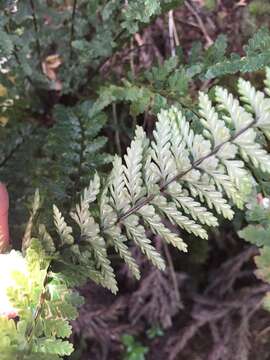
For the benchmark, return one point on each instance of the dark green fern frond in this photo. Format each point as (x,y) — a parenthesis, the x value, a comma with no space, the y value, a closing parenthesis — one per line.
(73,151)
(59,160)
(256,57)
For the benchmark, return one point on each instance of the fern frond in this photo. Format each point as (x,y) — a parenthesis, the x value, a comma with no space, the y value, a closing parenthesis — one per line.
(136,232)
(267,81)
(215,128)
(184,176)
(119,196)
(223,181)
(190,206)
(250,150)
(154,221)
(132,171)
(90,233)
(46,239)
(28,231)
(119,240)
(256,57)
(257,104)
(161,148)
(90,193)
(175,216)
(213,198)
(120,245)
(64,231)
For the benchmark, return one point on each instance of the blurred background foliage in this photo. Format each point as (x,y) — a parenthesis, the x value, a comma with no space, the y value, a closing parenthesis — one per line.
(76,77)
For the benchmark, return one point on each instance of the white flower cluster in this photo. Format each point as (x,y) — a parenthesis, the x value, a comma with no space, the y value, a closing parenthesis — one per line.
(9,264)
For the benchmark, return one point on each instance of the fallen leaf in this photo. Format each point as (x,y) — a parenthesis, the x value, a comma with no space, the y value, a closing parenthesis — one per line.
(3,90)
(241,3)
(3,121)
(53,61)
(49,67)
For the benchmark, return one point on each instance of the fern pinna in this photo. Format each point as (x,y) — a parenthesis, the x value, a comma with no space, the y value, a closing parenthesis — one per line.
(185,176)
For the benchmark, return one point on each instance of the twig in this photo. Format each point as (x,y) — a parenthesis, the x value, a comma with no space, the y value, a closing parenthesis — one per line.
(172,271)
(208,39)
(174,39)
(171,33)
(190,23)
(263,333)
(140,41)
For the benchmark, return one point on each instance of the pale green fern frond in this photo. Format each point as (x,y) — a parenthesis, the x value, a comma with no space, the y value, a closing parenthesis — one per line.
(190,206)
(132,171)
(169,209)
(90,234)
(242,121)
(136,232)
(257,104)
(119,240)
(267,81)
(182,176)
